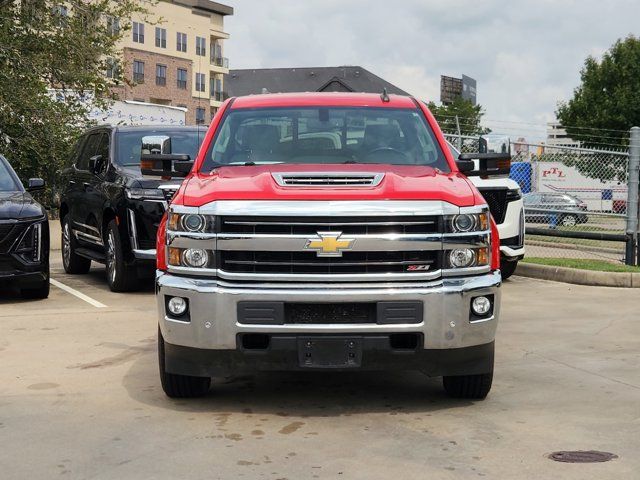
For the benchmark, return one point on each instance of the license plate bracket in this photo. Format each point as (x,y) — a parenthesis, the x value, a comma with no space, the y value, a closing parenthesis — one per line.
(330,352)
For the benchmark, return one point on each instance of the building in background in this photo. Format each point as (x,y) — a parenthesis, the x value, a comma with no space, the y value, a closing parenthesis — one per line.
(320,79)
(452,88)
(557,137)
(179,61)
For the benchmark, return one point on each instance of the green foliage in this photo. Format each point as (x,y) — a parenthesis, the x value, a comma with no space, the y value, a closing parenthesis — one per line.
(469,117)
(48,45)
(607,98)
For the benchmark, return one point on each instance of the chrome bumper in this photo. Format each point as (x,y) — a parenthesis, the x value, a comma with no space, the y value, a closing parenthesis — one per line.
(213,309)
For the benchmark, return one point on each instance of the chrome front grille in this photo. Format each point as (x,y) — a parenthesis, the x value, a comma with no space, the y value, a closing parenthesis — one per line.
(310,263)
(352,225)
(328,179)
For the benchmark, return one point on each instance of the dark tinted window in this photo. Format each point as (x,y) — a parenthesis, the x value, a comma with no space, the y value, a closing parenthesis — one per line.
(325,135)
(8,181)
(103,150)
(182,142)
(88,151)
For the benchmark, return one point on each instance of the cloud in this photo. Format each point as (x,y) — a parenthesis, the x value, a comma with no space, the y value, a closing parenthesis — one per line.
(525,55)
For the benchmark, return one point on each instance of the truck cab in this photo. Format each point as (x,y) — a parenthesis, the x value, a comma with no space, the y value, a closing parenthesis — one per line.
(328,231)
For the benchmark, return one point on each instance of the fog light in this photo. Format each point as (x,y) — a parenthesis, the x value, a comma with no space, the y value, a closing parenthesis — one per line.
(177,306)
(195,257)
(481,306)
(462,257)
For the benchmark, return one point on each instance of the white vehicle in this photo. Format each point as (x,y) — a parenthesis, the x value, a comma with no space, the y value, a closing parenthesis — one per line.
(504,198)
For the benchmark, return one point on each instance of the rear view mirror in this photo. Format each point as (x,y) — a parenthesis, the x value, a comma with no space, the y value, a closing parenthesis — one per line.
(35,185)
(156,159)
(494,158)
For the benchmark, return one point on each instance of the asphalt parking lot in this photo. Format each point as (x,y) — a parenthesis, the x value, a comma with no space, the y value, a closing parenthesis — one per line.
(80,398)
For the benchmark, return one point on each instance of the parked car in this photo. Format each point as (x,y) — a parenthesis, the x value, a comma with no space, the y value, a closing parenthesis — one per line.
(555,208)
(504,197)
(328,231)
(24,235)
(109,211)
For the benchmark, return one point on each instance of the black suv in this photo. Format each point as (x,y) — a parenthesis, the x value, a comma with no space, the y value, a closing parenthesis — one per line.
(24,235)
(109,212)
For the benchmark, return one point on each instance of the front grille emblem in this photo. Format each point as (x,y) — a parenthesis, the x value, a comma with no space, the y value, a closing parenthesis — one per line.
(329,244)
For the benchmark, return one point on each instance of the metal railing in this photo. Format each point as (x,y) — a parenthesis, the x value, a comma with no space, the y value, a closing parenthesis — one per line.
(220,62)
(219,96)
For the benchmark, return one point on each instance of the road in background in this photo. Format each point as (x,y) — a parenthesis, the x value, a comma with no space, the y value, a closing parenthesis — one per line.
(81,398)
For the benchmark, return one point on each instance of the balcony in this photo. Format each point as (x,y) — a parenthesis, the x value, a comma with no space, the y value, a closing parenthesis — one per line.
(222,62)
(219,96)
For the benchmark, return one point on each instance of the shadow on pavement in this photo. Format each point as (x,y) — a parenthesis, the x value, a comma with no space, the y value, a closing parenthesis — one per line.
(302,394)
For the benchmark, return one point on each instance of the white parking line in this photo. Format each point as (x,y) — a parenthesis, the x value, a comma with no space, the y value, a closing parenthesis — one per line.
(78,294)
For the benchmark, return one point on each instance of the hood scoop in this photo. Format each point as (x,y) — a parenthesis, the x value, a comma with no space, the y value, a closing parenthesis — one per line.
(328,179)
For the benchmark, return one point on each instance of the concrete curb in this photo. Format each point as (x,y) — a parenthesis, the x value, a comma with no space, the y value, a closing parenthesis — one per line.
(579,277)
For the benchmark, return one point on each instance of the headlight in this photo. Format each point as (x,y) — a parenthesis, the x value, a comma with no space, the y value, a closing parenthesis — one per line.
(468,257)
(468,222)
(192,222)
(30,247)
(191,257)
(144,194)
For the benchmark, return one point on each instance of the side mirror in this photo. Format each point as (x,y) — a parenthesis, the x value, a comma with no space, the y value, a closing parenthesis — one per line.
(95,163)
(156,159)
(35,185)
(494,158)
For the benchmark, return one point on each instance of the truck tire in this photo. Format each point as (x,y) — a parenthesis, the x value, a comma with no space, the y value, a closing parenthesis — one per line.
(468,386)
(507,268)
(180,386)
(121,278)
(71,261)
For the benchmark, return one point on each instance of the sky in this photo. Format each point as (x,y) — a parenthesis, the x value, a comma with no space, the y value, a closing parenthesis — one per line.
(525,55)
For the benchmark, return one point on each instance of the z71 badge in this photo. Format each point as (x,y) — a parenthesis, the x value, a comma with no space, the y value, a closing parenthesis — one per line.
(417,268)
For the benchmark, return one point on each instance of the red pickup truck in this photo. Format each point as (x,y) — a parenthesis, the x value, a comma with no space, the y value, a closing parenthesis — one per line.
(326,231)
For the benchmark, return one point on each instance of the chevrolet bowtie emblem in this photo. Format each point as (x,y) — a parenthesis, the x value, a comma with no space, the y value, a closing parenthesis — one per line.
(329,244)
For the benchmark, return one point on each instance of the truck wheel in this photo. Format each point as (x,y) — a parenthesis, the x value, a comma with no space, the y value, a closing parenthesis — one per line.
(121,278)
(180,386)
(71,261)
(468,386)
(36,293)
(507,268)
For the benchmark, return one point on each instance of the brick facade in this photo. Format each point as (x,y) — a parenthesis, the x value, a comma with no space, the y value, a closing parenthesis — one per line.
(168,94)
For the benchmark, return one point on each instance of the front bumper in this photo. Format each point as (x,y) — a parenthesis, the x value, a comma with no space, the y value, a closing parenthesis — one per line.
(213,324)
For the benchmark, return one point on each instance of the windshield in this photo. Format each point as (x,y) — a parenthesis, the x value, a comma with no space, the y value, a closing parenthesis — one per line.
(8,181)
(324,135)
(130,143)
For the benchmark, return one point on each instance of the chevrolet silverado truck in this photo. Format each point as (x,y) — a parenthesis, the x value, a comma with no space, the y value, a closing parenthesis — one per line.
(327,231)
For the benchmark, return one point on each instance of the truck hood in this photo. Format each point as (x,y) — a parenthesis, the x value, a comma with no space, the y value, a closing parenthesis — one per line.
(400,182)
(19,205)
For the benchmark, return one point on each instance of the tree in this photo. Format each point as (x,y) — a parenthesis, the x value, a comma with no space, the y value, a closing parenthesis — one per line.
(469,117)
(607,103)
(53,59)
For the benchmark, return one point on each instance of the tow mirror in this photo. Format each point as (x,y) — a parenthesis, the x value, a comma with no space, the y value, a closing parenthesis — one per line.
(35,185)
(156,159)
(95,164)
(493,157)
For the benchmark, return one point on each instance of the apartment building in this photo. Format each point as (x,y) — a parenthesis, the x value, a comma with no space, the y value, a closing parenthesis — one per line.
(176,57)
(557,137)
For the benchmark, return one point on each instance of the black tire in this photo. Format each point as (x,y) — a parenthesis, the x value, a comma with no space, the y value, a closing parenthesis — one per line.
(475,387)
(36,293)
(180,386)
(507,268)
(71,261)
(120,276)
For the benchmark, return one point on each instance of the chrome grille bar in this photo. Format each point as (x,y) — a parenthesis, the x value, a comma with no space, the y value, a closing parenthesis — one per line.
(328,179)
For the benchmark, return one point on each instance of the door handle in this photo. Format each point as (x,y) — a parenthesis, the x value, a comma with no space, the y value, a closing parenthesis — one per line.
(72,182)
(86,185)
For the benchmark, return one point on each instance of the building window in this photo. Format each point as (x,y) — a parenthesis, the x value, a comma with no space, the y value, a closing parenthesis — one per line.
(214,110)
(113,68)
(200,112)
(182,78)
(201,46)
(138,71)
(200,82)
(161,37)
(161,75)
(182,42)
(215,87)
(138,32)
(113,26)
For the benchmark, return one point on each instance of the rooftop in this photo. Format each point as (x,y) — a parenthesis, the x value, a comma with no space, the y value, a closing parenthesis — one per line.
(206,5)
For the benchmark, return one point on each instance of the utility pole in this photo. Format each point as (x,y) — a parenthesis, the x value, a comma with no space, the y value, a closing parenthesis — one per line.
(633,192)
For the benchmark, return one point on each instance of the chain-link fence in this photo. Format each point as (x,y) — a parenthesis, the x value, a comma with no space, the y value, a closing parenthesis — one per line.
(575,199)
